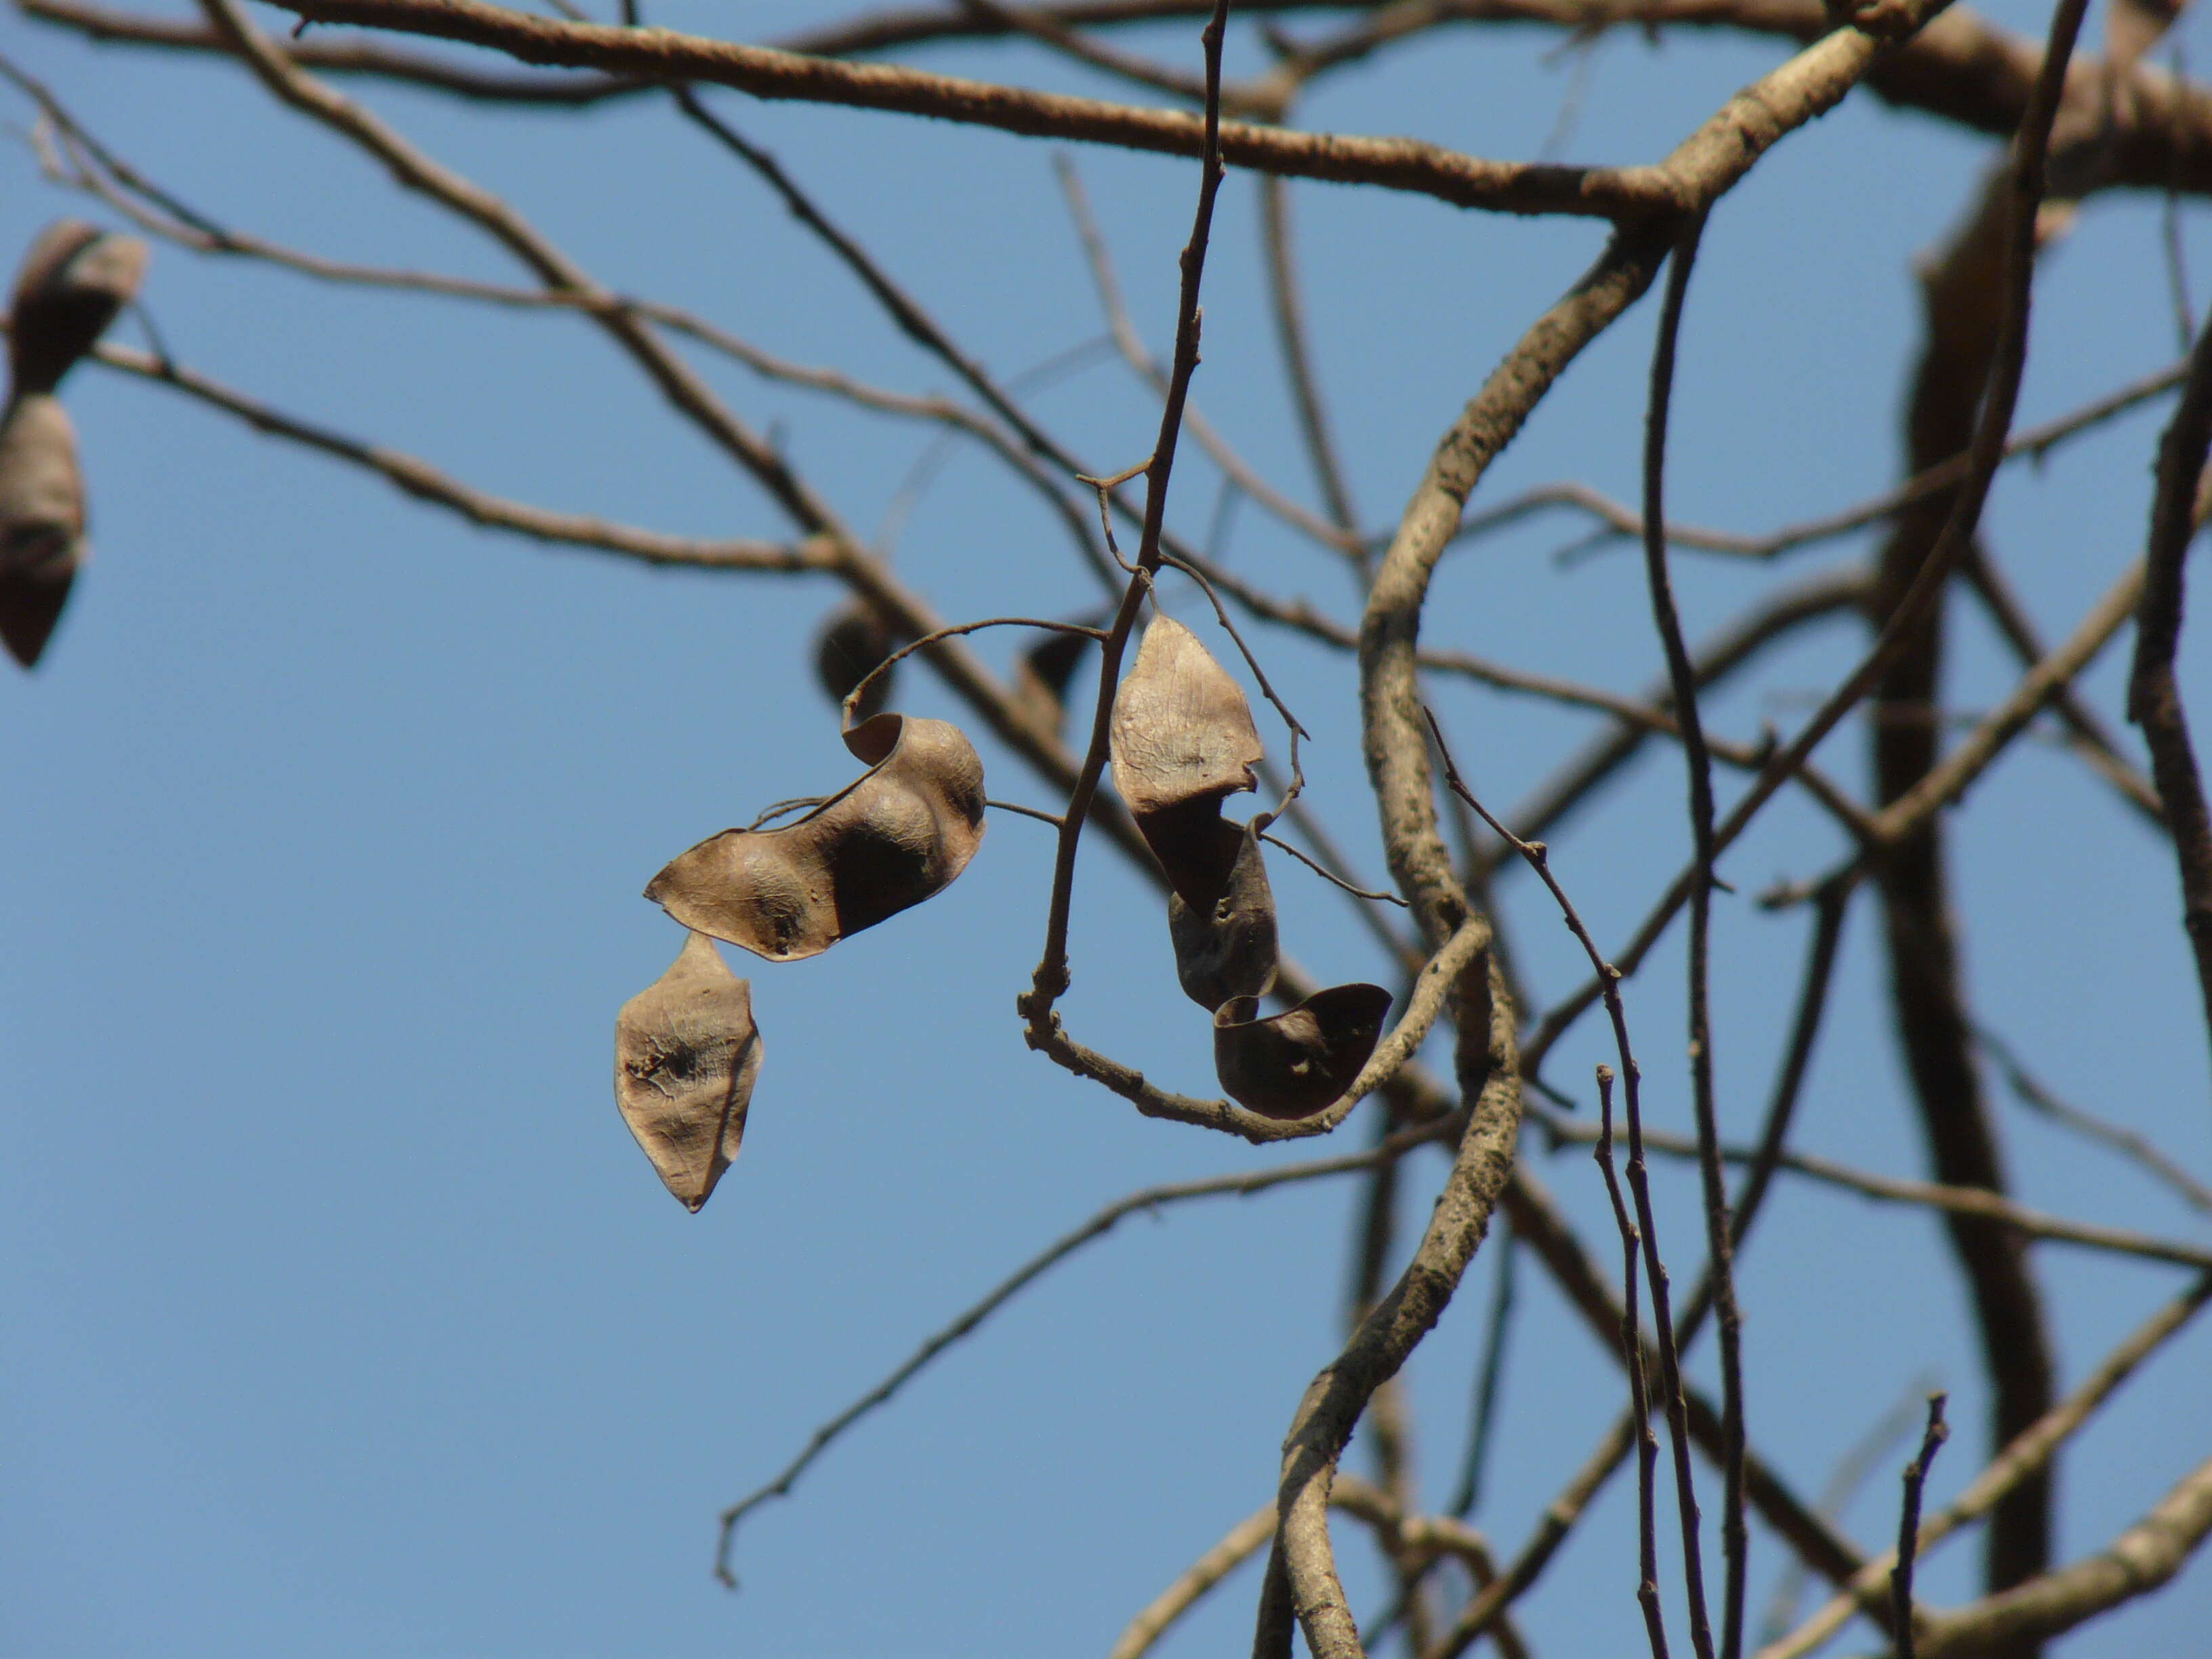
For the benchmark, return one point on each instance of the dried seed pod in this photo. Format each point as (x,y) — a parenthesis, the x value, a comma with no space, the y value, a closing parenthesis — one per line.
(1181,731)
(1043,673)
(42,522)
(687,1055)
(1225,944)
(900,834)
(74,279)
(2132,27)
(854,640)
(1293,1064)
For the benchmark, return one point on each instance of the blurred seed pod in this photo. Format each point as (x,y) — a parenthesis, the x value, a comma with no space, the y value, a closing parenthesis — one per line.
(1043,673)
(42,522)
(1293,1064)
(1224,947)
(74,279)
(854,640)
(899,835)
(687,1055)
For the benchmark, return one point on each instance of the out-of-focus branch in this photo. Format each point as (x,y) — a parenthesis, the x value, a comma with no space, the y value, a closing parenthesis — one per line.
(1967,324)
(2154,691)
(2139,1560)
(2027,1453)
(1975,1202)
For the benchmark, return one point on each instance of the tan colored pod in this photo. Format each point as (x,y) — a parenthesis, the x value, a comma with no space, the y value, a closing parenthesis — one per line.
(74,279)
(1181,731)
(687,1055)
(42,522)
(1295,1064)
(899,835)
(1225,943)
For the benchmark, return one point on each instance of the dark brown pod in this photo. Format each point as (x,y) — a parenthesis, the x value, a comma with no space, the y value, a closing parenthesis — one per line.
(854,640)
(1293,1064)
(1043,673)
(1225,944)
(900,834)
(42,522)
(74,279)
(1181,731)
(687,1055)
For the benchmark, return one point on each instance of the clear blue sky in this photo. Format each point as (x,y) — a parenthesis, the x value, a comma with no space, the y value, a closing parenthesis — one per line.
(339,1316)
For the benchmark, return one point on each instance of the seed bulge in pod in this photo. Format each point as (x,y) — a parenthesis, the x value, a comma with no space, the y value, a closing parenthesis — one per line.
(900,834)
(1225,944)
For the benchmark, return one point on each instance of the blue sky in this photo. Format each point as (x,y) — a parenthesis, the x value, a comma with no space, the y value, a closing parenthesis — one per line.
(340,1314)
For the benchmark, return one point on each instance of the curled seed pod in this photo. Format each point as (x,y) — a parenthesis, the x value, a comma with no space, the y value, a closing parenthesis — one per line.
(1181,731)
(42,522)
(899,835)
(854,640)
(687,1055)
(74,279)
(1225,944)
(1293,1064)
(1043,673)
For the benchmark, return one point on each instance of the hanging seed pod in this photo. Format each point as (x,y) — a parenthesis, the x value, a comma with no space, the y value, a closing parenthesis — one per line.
(1043,673)
(899,835)
(42,522)
(687,1055)
(74,279)
(1181,731)
(1225,947)
(853,641)
(1182,738)
(1293,1064)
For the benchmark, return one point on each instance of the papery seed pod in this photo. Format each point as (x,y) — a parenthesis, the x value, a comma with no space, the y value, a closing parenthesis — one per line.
(687,1055)
(1181,731)
(854,640)
(42,522)
(1293,1064)
(1225,944)
(899,835)
(1043,673)
(74,279)
(2132,27)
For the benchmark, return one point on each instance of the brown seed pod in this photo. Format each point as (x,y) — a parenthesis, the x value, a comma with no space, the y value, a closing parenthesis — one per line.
(1293,1064)
(1182,738)
(1181,732)
(42,522)
(1043,673)
(900,834)
(74,279)
(1225,944)
(854,640)
(687,1055)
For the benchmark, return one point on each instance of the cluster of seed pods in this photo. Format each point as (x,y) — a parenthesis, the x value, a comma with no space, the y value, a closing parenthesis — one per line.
(74,279)
(1183,740)
(687,1051)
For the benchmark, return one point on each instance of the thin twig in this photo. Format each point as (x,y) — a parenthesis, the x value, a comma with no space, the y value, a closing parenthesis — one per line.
(2033,1095)
(1151,1198)
(1735,1537)
(1908,1524)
